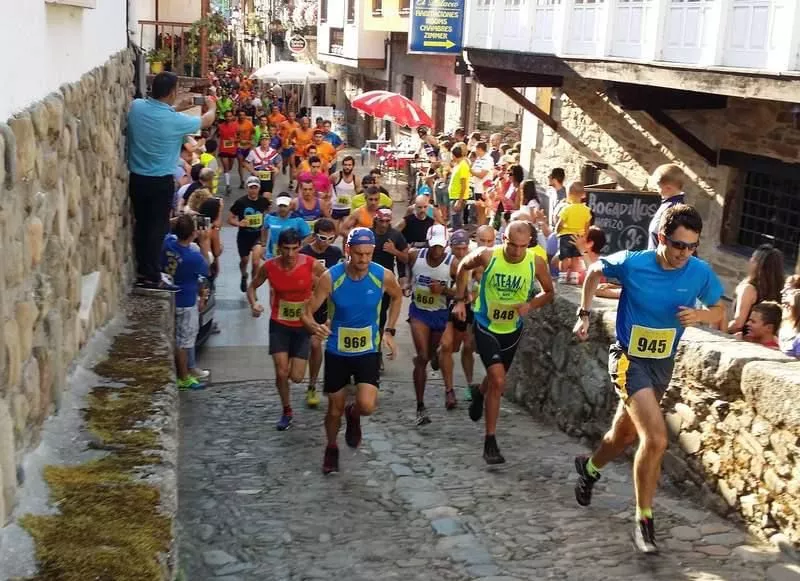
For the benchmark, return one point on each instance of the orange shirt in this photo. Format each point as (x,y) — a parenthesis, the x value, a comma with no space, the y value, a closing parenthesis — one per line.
(305,166)
(246,131)
(365,218)
(286,128)
(302,139)
(276,119)
(326,152)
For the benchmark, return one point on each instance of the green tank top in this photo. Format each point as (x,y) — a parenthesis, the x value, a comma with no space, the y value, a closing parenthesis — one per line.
(503,286)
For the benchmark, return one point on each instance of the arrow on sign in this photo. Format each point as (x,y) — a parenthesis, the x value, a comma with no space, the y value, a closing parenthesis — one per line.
(443,43)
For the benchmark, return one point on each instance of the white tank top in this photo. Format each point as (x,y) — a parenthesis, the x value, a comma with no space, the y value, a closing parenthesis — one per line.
(343,187)
(422,276)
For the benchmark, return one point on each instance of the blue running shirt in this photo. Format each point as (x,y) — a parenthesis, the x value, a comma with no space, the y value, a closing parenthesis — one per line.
(354,308)
(647,319)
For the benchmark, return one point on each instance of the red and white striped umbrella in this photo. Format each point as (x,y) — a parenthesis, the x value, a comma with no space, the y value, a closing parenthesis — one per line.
(392,107)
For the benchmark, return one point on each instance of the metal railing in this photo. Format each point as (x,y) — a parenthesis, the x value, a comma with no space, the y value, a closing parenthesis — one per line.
(337,41)
(183,54)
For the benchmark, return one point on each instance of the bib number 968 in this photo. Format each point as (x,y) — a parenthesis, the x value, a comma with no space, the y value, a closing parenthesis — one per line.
(354,343)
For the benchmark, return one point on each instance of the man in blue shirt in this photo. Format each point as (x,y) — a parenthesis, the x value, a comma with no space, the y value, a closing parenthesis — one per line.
(185,261)
(332,138)
(670,184)
(282,220)
(155,136)
(660,289)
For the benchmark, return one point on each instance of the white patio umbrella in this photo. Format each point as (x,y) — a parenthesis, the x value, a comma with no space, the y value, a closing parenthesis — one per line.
(291,73)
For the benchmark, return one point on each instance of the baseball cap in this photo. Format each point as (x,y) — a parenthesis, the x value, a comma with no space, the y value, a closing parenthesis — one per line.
(283,200)
(459,238)
(437,235)
(360,236)
(384,214)
(253,181)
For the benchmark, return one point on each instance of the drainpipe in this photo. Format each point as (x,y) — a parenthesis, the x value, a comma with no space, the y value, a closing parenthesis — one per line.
(389,85)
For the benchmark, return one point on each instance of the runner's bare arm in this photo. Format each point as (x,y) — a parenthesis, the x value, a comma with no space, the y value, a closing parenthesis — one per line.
(322,291)
(234,220)
(259,279)
(392,288)
(711,315)
(316,273)
(476,259)
(546,282)
(593,277)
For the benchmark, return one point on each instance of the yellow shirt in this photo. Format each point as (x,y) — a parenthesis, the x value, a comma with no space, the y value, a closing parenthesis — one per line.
(209,160)
(460,172)
(574,219)
(359,200)
(538,251)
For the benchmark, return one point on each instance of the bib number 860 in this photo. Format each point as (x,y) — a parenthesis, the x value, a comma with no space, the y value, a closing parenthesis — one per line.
(425,299)
(354,342)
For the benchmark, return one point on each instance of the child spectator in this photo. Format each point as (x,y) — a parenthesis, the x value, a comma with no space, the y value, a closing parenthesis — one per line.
(573,220)
(185,261)
(209,160)
(790,329)
(763,324)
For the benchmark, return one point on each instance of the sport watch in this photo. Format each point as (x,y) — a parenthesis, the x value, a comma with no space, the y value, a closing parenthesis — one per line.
(392,332)
(583,313)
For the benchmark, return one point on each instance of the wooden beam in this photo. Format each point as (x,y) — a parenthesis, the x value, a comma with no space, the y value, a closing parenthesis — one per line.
(204,9)
(532,108)
(684,135)
(759,163)
(496,78)
(641,97)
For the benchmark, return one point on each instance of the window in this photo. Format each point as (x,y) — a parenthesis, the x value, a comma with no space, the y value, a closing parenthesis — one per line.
(408,87)
(323,10)
(439,106)
(770,213)
(351,11)
(377,7)
(337,41)
(405,7)
(485,2)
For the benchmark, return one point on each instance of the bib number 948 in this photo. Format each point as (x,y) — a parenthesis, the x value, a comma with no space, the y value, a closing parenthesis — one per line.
(649,343)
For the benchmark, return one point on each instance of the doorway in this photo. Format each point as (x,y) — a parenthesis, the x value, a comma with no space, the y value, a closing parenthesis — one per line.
(439,106)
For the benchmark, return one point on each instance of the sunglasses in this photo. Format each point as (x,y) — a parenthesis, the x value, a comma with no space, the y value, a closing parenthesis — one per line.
(678,245)
(324,238)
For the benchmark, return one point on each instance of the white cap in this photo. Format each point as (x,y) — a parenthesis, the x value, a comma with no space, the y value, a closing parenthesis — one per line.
(437,235)
(283,201)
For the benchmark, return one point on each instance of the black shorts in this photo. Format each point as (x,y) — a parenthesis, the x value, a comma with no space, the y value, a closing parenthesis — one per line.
(341,370)
(227,155)
(495,348)
(292,340)
(567,248)
(458,324)
(631,374)
(246,240)
(266,187)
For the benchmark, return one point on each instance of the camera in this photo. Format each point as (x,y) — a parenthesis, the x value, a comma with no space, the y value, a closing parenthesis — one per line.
(199,100)
(202,222)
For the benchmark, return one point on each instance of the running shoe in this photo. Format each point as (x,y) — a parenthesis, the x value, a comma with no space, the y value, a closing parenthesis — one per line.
(228,190)
(312,397)
(468,392)
(450,402)
(284,423)
(435,360)
(200,373)
(644,536)
(423,419)
(243,284)
(585,483)
(352,433)
(491,453)
(476,405)
(160,285)
(190,384)
(330,463)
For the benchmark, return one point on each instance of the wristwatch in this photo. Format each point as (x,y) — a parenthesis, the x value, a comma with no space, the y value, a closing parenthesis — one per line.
(457,300)
(392,332)
(583,313)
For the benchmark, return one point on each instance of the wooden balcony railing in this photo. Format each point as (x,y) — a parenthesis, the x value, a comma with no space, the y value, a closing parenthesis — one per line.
(184,50)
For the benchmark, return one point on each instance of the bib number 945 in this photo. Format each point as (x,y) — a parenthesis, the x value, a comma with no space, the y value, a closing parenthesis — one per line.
(649,343)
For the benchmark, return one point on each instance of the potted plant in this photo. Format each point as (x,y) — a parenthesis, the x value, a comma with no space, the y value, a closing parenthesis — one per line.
(157,57)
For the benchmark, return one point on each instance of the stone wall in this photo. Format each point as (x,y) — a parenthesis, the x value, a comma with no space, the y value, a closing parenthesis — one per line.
(591,128)
(65,241)
(731,410)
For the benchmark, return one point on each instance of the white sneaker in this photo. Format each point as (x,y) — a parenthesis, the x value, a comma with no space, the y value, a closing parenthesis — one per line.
(574,278)
(200,373)
(562,277)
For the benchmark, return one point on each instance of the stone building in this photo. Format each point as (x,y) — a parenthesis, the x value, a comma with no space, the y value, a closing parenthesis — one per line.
(612,90)
(64,220)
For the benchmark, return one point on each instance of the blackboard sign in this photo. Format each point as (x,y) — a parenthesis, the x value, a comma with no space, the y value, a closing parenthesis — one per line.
(624,216)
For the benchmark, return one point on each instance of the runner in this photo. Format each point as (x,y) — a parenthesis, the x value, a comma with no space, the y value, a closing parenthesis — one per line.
(247,213)
(262,162)
(309,206)
(316,175)
(416,224)
(660,289)
(325,151)
(286,130)
(354,290)
(228,131)
(505,295)
(283,219)
(431,270)
(322,250)
(291,276)
(301,138)
(345,183)
(457,334)
(245,131)
(364,216)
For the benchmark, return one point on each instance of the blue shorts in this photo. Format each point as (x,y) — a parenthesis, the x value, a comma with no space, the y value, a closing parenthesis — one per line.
(287,152)
(434,320)
(632,374)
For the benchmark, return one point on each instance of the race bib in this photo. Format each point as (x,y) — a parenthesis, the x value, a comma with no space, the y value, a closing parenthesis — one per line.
(255,220)
(502,313)
(264,175)
(245,144)
(227,144)
(650,343)
(353,340)
(428,301)
(290,311)
(344,200)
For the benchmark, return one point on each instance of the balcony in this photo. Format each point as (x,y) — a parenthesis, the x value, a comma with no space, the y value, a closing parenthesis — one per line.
(342,40)
(336,42)
(758,35)
(177,43)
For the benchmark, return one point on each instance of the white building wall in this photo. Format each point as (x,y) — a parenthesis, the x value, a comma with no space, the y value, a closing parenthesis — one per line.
(59,43)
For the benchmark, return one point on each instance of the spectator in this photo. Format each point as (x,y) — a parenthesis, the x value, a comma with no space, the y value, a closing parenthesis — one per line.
(763,324)
(508,196)
(556,182)
(197,199)
(494,147)
(573,220)
(763,283)
(669,178)
(458,189)
(185,262)
(590,247)
(790,329)
(209,160)
(155,137)
(182,193)
(212,209)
